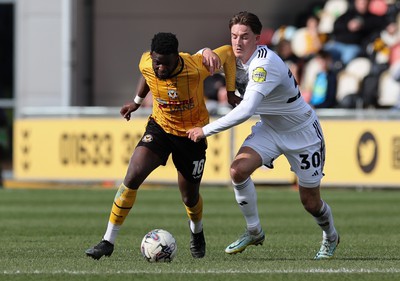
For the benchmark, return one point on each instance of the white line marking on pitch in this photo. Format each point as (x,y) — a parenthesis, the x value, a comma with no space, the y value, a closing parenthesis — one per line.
(158,271)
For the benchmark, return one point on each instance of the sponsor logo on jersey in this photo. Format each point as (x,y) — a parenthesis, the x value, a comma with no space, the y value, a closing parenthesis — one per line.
(259,75)
(147,138)
(176,106)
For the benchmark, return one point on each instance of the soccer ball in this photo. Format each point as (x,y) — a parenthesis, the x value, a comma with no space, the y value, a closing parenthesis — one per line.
(158,245)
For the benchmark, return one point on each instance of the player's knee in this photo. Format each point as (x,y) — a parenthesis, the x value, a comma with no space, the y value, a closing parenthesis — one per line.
(186,200)
(134,178)
(238,174)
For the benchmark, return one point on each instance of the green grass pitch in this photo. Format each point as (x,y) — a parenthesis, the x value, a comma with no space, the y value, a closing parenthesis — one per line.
(44,234)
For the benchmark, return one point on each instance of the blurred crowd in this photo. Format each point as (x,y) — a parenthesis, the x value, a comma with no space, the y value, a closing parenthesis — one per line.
(343,53)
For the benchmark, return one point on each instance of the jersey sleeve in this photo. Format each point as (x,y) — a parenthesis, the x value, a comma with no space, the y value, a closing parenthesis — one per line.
(228,61)
(236,116)
(263,77)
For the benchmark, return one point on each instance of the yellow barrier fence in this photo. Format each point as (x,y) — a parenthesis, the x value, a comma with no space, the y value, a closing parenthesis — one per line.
(98,149)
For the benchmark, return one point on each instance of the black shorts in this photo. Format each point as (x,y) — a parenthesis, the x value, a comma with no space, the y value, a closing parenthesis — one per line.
(189,157)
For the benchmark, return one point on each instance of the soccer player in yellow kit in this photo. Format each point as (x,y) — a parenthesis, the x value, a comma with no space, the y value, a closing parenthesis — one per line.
(176,83)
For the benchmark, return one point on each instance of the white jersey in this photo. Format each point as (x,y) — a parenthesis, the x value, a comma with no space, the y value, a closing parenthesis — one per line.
(266,73)
(288,124)
(280,106)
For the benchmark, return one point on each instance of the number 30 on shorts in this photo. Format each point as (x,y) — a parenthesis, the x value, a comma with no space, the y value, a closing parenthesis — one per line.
(307,161)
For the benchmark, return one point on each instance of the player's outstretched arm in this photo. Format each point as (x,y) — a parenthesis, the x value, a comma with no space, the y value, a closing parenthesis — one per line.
(142,90)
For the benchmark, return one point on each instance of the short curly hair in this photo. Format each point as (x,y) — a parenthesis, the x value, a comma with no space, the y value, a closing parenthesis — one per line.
(164,43)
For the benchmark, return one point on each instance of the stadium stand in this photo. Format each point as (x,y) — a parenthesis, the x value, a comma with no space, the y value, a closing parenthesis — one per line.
(388,90)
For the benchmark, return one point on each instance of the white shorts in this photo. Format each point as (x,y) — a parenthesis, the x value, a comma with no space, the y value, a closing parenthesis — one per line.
(304,148)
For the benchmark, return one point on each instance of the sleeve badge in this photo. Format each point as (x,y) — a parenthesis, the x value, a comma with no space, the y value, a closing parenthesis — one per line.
(259,75)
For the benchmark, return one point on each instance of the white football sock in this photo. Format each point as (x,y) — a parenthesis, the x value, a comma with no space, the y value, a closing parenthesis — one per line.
(325,221)
(246,197)
(111,232)
(196,227)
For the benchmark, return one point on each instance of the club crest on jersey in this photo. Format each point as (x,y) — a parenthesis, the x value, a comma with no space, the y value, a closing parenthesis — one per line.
(147,138)
(172,94)
(259,75)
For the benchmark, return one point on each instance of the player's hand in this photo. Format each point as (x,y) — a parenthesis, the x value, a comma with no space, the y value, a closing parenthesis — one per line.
(211,60)
(233,99)
(196,134)
(127,109)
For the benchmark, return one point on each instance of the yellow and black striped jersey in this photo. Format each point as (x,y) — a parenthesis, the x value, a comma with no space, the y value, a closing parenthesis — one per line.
(178,102)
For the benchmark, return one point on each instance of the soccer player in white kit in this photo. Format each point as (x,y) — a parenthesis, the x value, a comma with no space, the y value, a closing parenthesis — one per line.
(288,126)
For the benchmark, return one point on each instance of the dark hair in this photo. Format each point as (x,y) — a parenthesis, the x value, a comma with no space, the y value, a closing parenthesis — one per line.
(164,43)
(249,19)
(324,54)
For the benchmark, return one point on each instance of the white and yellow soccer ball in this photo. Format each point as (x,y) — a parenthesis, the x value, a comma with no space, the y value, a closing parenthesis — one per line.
(158,245)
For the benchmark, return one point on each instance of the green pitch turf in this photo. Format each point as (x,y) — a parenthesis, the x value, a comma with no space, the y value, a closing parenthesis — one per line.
(44,234)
